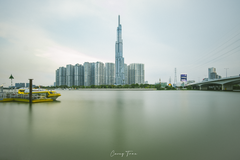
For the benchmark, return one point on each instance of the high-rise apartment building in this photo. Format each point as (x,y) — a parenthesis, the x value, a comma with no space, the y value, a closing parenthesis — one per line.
(62,76)
(57,78)
(69,75)
(89,73)
(211,70)
(78,75)
(92,73)
(212,74)
(126,73)
(109,71)
(136,73)
(99,72)
(119,60)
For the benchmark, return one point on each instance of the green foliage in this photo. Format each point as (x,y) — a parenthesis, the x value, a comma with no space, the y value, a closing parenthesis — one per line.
(189,87)
(170,88)
(237,86)
(158,86)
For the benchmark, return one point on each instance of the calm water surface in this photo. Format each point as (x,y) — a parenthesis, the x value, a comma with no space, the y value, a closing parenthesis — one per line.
(85,125)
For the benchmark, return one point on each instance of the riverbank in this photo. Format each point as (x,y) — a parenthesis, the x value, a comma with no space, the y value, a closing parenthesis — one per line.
(114,89)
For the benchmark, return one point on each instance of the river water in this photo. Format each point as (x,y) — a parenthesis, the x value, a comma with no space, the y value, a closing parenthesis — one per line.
(89,125)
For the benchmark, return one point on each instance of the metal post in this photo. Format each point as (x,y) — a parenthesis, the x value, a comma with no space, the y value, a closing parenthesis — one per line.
(30,91)
(226,71)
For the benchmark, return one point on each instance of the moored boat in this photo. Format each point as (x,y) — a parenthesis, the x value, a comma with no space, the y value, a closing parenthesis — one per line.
(14,97)
(40,92)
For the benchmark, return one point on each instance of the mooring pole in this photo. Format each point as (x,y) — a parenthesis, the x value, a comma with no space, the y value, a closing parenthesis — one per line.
(30,91)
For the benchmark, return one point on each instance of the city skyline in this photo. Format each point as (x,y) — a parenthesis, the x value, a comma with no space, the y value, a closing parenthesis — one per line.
(38,37)
(98,73)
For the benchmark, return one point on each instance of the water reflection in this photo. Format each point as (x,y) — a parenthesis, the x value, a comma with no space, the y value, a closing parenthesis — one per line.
(89,125)
(118,123)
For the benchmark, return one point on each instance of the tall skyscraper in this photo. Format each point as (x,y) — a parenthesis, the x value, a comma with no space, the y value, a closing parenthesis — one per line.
(119,60)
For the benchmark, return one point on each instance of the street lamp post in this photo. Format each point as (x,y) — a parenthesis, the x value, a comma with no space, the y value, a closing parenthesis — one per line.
(226,71)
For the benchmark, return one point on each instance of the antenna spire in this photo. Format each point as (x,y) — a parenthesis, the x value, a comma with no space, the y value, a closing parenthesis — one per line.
(118,19)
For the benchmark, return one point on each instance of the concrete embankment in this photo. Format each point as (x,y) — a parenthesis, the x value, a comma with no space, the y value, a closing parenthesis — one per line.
(116,89)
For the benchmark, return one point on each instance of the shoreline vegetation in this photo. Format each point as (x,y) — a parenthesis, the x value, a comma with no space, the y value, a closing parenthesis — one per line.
(132,87)
(136,87)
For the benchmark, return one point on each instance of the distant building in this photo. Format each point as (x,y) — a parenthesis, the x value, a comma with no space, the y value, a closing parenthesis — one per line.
(205,79)
(190,81)
(57,78)
(69,75)
(27,85)
(109,74)
(212,74)
(92,73)
(136,73)
(99,72)
(163,84)
(89,74)
(119,60)
(78,75)
(126,74)
(62,76)
(19,85)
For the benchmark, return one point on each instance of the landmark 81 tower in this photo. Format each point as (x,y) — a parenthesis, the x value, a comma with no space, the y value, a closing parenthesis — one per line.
(119,60)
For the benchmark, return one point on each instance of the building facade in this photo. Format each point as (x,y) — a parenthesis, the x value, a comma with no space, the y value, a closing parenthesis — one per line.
(136,73)
(119,60)
(212,74)
(78,75)
(19,85)
(99,73)
(62,76)
(89,74)
(109,73)
(69,75)
(126,74)
(57,78)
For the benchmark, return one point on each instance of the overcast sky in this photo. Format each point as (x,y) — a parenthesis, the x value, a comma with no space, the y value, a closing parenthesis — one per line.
(38,37)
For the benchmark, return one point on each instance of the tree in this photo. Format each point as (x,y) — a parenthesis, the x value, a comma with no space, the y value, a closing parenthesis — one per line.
(158,86)
(189,87)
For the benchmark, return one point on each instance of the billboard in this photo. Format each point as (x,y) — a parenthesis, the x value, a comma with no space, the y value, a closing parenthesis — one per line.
(183,77)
